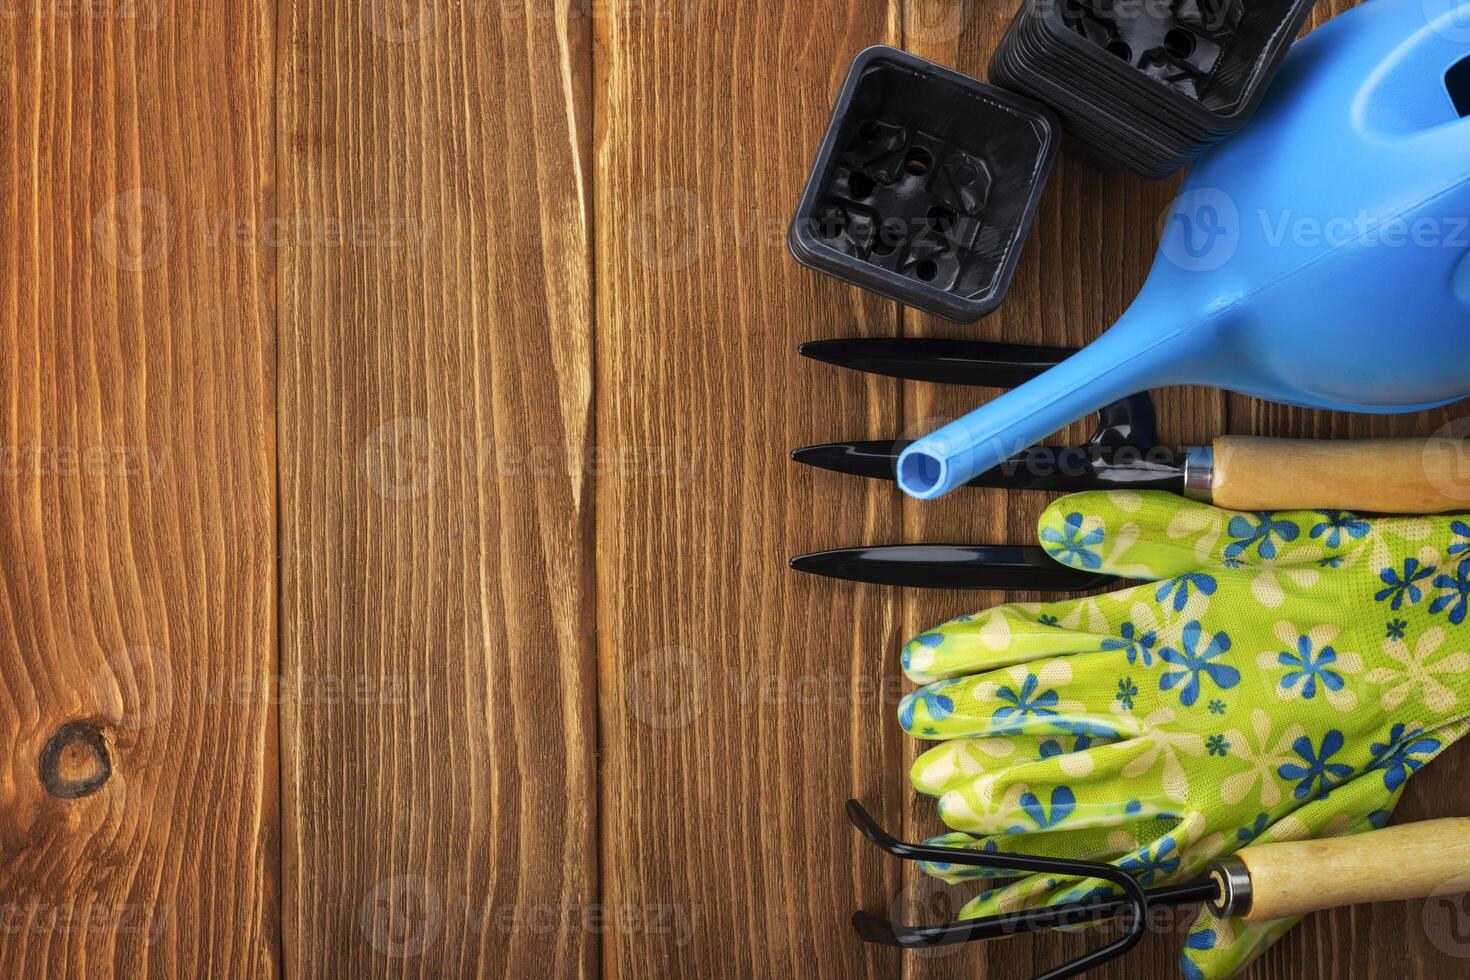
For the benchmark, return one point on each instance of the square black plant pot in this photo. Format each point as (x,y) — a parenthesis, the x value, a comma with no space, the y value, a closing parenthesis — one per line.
(1212,59)
(925,185)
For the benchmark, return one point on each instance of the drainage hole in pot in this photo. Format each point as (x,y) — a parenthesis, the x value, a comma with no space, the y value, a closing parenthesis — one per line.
(926,270)
(918,161)
(941,218)
(859,185)
(965,175)
(1122,50)
(1179,43)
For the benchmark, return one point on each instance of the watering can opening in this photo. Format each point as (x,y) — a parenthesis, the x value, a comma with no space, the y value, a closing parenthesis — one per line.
(921,473)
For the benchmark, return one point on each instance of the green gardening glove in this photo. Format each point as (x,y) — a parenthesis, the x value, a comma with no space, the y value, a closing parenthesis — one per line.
(1272,661)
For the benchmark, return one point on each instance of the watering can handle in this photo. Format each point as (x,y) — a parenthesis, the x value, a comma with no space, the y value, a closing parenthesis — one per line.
(1282,881)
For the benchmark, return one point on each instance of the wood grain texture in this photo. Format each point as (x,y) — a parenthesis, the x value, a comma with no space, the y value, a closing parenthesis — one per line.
(1295,877)
(741,703)
(138,807)
(436,417)
(1378,476)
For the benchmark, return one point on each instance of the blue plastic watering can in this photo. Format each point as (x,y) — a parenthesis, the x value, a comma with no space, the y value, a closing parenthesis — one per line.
(1320,257)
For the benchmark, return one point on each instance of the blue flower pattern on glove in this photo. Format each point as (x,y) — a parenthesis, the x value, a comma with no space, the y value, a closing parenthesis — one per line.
(1028,676)
(1404,585)
(1200,942)
(1460,547)
(1025,702)
(1247,834)
(1127,691)
(1063,802)
(1180,586)
(1054,747)
(1260,534)
(1306,668)
(1195,663)
(1074,545)
(1138,646)
(939,706)
(1396,757)
(1457,595)
(1153,862)
(1318,771)
(1337,523)
(963,870)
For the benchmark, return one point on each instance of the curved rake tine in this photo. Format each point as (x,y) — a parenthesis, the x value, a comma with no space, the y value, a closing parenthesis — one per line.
(1135,901)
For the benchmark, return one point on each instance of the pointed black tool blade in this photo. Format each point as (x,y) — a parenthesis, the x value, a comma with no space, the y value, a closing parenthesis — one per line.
(1057,470)
(929,566)
(957,362)
(874,460)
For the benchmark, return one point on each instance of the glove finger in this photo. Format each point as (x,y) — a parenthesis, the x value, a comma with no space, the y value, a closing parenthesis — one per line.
(1021,633)
(1155,535)
(957,762)
(1068,696)
(1104,786)
(1217,948)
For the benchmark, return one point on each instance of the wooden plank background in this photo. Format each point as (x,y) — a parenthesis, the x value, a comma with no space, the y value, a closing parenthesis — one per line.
(137,494)
(395,398)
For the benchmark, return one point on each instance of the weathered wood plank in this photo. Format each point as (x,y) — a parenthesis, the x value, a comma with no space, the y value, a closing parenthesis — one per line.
(138,787)
(741,703)
(436,415)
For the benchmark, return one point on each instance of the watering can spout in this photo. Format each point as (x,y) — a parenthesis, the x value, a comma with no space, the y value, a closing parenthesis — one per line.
(1138,353)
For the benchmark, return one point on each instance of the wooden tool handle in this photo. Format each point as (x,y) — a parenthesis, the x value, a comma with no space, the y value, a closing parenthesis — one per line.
(1413,861)
(1381,476)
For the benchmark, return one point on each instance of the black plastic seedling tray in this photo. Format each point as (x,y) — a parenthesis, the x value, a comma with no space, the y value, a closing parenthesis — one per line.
(925,185)
(1148,84)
